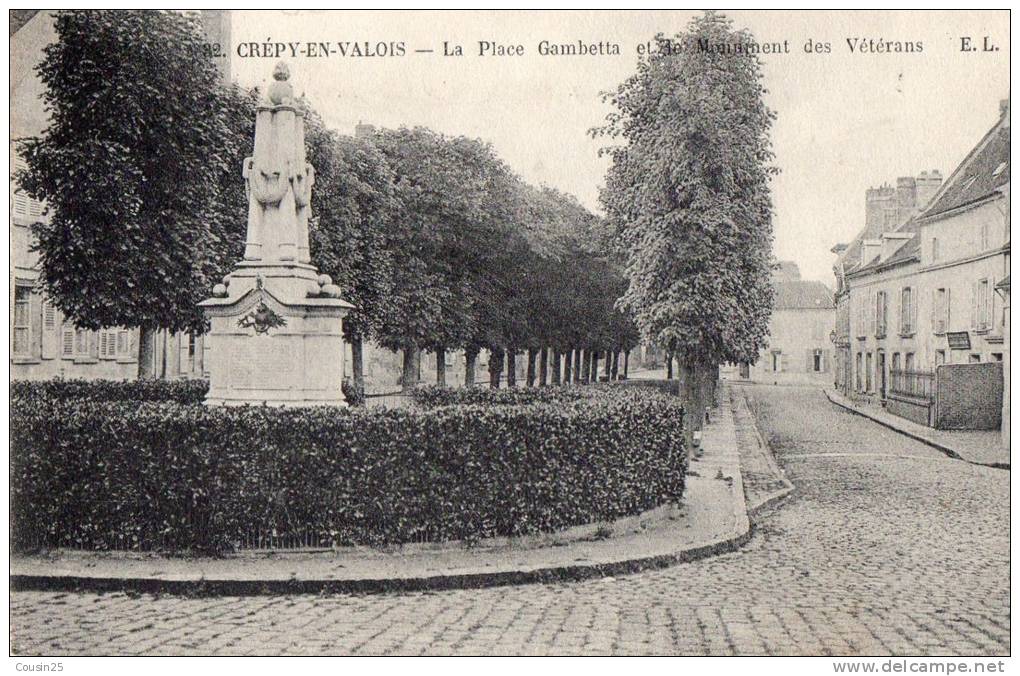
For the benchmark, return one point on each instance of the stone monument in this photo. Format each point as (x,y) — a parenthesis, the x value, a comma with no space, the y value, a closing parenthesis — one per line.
(275,333)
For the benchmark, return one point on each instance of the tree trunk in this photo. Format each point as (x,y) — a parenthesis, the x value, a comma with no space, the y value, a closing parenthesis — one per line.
(358,363)
(470,360)
(441,367)
(568,367)
(511,368)
(411,365)
(614,371)
(669,366)
(712,376)
(692,387)
(626,363)
(585,366)
(556,362)
(161,353)
(495,368)
(595,355)
(543,367)
(608,370)
(146,352)
(532,361)
(577,365)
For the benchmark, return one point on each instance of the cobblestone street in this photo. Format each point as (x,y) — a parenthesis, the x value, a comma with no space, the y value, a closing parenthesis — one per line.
(885,546)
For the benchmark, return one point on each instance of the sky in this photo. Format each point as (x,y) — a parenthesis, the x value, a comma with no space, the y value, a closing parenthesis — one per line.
(846,120)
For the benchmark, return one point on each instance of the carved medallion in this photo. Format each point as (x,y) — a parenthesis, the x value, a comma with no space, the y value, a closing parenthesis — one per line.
(261,318)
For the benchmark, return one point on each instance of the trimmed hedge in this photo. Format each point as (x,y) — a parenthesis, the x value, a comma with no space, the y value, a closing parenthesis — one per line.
(179,391)
(433,396)
(165,476)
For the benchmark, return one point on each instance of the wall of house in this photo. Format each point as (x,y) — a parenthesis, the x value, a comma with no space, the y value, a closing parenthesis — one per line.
(795,338)
(964,255)
(875,340)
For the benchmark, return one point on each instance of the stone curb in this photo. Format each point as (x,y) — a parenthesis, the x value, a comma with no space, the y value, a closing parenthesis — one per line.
(206,588)
(756,510)
(949,452)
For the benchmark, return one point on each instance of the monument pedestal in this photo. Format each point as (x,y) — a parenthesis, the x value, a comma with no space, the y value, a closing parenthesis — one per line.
(269,345)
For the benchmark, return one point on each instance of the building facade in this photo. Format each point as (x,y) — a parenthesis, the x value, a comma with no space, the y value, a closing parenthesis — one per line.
(800,345)
(927,295)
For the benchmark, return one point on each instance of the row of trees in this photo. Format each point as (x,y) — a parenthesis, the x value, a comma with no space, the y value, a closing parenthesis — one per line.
(434,239)
(688,202)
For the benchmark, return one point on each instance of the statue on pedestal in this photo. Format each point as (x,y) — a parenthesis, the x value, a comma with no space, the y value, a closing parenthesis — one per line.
(276,322)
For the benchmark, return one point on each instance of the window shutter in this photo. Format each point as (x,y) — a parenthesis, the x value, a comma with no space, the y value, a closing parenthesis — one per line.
(103,343)
(913,311)
(49,331)
(946,311)
(185,367)
(35,321)
(67,340)
(973,305)
(874,313)
(993,322)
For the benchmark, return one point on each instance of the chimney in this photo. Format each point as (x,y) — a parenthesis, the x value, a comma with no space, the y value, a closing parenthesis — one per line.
(928,183)
(877,202)
(906,198)
(217,26)
(363,130)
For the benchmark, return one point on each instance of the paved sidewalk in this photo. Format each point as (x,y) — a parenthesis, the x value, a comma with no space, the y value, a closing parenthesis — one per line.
(712,519)
(977,447)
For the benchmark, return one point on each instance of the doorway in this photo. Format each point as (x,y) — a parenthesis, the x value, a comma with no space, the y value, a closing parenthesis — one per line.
(880,365)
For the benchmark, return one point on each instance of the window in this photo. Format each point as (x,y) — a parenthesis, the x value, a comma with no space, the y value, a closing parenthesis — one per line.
(24,206)
(123,343)
(880,314)
(981,309)
(908,362)
(867,372)
(906,311)
(22,346)
(859,369)
(862,316)
(975,359)
(816,361)
(75,342)
(940,357)
(896,361)
(934,248)
(941,311)
(996,356)
(777,361)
